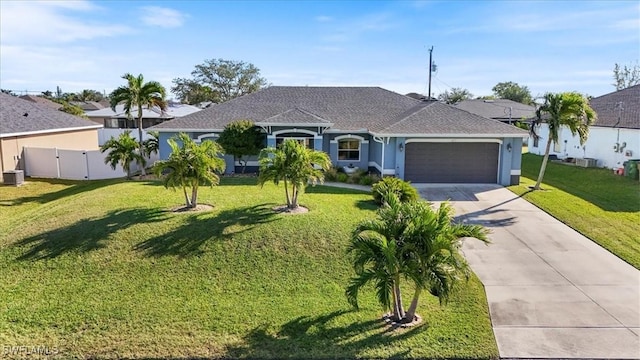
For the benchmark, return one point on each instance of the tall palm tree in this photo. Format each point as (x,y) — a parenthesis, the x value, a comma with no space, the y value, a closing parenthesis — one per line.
(190,165)
(570,109)
(431,253)
(294,165)
(136,95)
(122,150)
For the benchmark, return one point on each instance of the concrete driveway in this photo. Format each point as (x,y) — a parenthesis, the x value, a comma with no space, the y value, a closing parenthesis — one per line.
(552,292)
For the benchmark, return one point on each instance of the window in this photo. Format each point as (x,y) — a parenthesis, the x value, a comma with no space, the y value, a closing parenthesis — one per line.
(307,142)
(535,141)
(349,150)
(556,146)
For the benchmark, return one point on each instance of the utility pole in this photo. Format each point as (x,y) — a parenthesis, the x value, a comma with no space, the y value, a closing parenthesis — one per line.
(430,70)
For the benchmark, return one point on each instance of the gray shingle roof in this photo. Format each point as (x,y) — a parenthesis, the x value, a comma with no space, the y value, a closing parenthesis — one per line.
(295,116)
(39,118)
(371,109)
(498,109)
(608,110)
(42,101)
(436,118)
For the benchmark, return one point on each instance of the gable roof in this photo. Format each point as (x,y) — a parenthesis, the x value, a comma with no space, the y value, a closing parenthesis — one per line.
(498,109)
(22,117)
(361,109)
(42,101)
(610,114)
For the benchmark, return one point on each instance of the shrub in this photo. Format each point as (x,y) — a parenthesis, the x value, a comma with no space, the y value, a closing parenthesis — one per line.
(369,180)
(390,185)
(342,177)
(331,174)
(356,176)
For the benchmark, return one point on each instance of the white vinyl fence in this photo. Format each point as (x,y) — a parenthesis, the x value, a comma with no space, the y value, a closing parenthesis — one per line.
(72,164)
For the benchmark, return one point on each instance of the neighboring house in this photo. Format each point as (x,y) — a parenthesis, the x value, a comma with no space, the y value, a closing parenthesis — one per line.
(27,124)
(118,119)
(613,139)
(370,128)
(42,101)
(503,110)
(88,105)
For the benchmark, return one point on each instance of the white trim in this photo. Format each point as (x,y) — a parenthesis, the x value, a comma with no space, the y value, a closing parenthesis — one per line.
(296,124)
(516,172)
(439,136)
(49,131)
(349,136)
(296,130)
(209,135)
(184,130)
(466,140)
(374,164)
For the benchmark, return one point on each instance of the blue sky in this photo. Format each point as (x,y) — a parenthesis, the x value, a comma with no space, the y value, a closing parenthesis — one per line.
(547,46)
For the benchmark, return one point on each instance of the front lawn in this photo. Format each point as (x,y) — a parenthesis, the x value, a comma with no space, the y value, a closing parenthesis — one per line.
(602,206)
(102,270)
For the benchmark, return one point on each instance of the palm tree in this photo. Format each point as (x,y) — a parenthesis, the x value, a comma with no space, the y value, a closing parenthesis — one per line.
(136,95)
(570,109)
(152,144)
(431,253)
(190,165)
(122,150)
(294,165)
(377,248)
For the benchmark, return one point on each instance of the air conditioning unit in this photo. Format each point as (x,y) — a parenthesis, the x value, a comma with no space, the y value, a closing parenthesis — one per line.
(587,162)
(13,177)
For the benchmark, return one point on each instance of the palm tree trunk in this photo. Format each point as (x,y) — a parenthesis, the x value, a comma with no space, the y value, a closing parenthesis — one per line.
(244,164)
(396,290)
(543,167)
(411,313)
(194,195)
(396,309)
(294,197)
(143,173)
(286,192)
(187,202)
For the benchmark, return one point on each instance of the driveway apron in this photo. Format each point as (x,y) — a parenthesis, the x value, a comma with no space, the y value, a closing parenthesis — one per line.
(552,292)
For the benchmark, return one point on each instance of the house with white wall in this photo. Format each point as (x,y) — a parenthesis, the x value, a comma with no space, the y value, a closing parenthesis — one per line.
(613,139)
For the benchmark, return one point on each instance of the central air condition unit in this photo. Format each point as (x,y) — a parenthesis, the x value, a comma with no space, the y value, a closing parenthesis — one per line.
(13,177)
(587,162)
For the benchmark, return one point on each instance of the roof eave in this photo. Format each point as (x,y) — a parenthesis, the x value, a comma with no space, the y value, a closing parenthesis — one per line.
(327,124)
(452,135)
(49,131)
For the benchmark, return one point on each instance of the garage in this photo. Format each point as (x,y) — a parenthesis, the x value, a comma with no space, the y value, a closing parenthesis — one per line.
(453,162)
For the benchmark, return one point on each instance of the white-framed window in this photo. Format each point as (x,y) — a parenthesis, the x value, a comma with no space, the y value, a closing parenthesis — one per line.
(349,150)
(307,142)
(556,146)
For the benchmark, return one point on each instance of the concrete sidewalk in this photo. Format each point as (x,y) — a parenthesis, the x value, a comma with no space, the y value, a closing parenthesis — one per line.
(552,292)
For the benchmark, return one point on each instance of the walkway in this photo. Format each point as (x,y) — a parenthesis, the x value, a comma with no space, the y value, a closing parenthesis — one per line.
(552,292)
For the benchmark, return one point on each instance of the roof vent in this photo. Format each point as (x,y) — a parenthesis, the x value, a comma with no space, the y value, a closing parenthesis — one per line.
(488,101)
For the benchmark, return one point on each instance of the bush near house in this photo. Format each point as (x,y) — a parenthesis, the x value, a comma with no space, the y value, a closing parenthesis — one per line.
(391,185)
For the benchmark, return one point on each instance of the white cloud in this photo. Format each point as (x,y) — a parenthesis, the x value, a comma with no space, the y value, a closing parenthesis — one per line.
(47,22)
(162,17)
(323,18)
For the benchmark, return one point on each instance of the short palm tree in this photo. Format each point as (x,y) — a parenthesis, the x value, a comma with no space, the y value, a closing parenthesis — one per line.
(190,165)
(137,95)
(431,252)
(294,165)
(152,144)
(409,240)
(122,150)
(570,109)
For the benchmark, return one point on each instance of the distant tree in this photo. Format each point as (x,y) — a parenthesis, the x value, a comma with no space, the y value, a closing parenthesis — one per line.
(241,138)
(47,94)
(192,92)
(122,150)
(135,96)
(294,165)
(88,95)
(626,76)
(218,80)
(512,91)
(486,97)
(190,165)
(8,92)
(570,109)
(455,95)
(72,109)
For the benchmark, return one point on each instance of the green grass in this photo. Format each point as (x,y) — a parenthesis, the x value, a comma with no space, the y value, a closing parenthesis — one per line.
(102,270)
(602,206)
